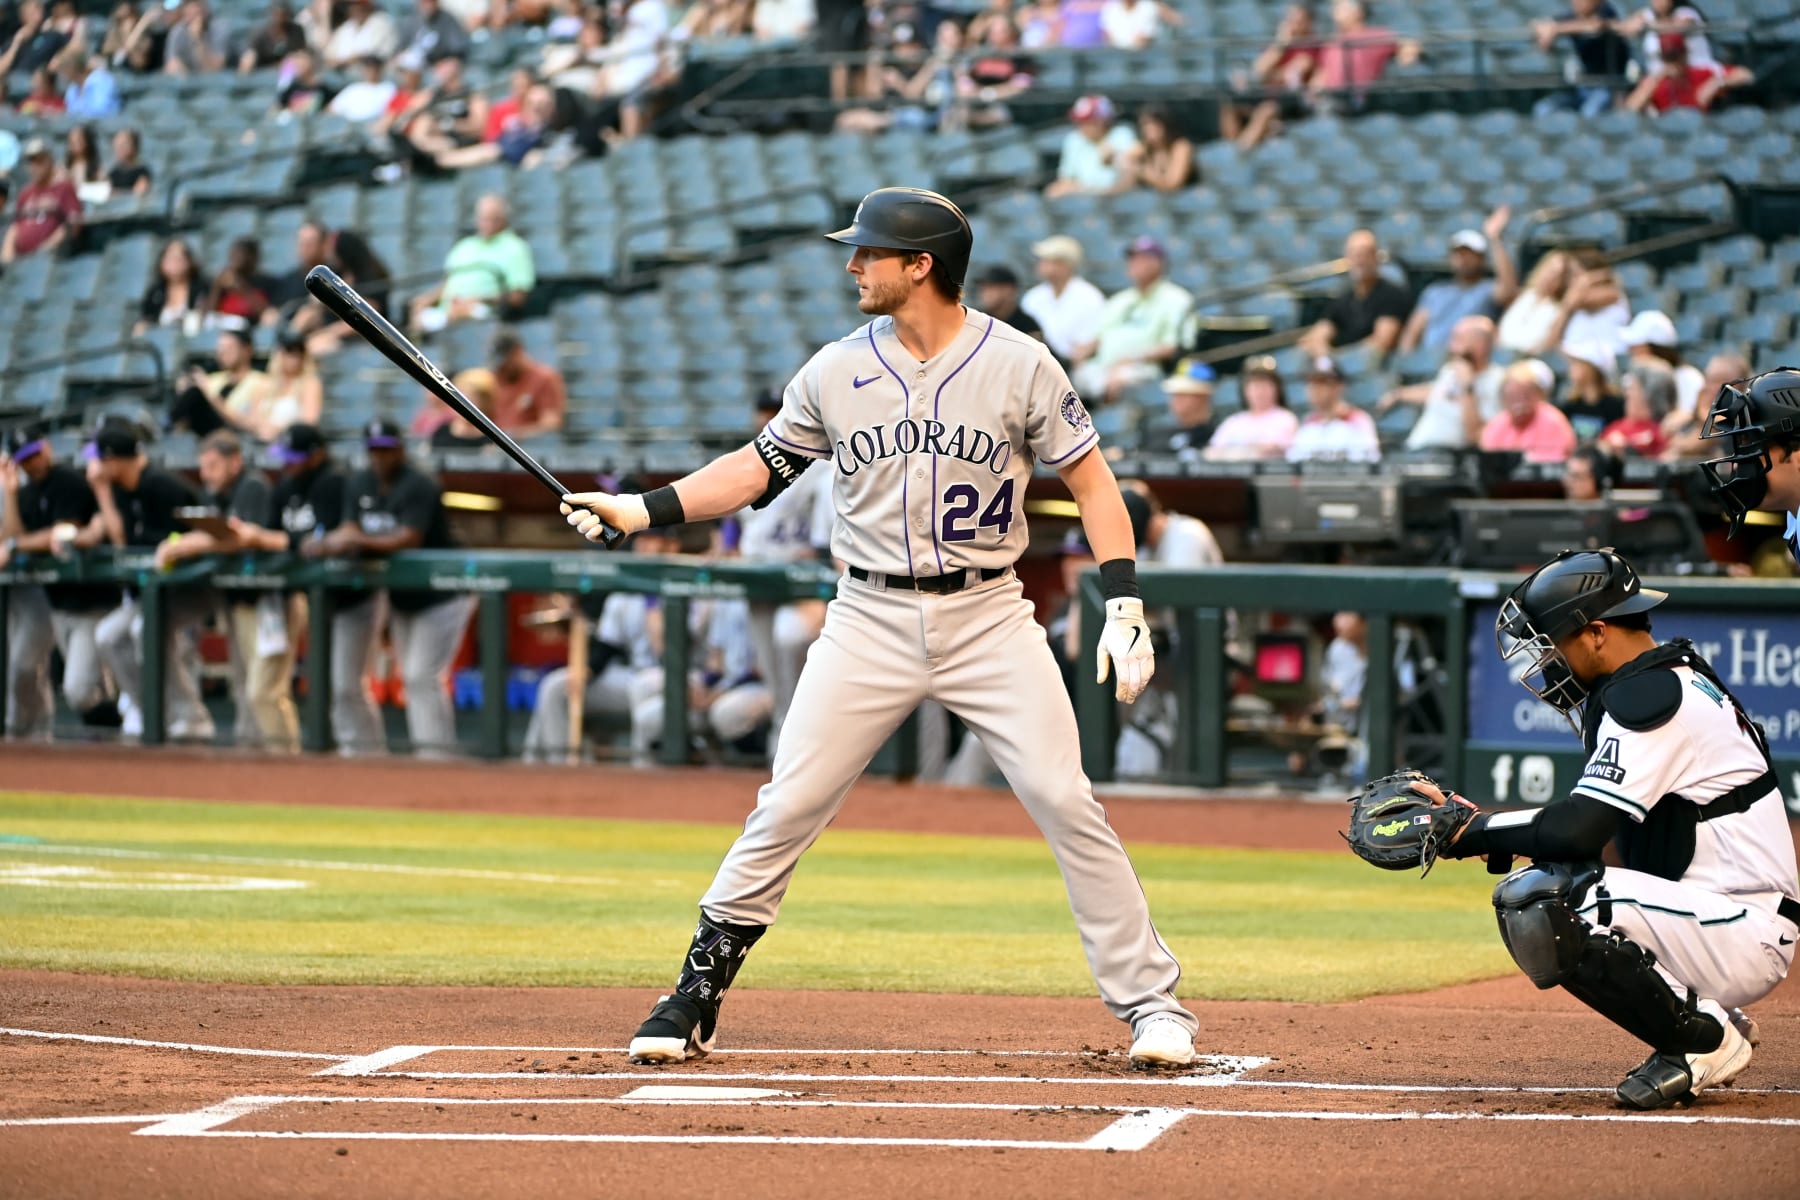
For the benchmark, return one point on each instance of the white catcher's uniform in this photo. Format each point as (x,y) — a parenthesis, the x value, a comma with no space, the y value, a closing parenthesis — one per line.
(1715,931)
(928,464)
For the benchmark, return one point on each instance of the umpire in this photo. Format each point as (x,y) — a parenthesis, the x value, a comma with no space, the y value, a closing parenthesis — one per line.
(48,507)
(391,506)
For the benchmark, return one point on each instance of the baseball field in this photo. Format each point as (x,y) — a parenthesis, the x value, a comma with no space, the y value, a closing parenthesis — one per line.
(230,977)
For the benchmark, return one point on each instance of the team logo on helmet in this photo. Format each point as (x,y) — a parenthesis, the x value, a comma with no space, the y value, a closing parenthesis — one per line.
(1076,413)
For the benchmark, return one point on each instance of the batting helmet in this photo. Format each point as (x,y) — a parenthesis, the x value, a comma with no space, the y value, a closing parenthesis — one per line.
(1747,418)
(912,219)
(1558,600)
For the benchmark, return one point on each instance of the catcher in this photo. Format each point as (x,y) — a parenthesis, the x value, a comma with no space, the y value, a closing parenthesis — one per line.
(1702,917)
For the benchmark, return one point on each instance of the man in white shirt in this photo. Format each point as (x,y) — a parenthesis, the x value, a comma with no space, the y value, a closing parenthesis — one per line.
(1093,151)
(1463,397)
(1134,24)
(1067,307)
(1141,331)
(1334,429)
(365,32)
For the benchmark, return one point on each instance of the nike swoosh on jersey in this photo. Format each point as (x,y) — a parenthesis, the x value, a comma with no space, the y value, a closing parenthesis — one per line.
(865,382)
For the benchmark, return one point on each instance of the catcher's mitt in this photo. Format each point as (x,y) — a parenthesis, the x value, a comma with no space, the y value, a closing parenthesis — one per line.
(1405,820)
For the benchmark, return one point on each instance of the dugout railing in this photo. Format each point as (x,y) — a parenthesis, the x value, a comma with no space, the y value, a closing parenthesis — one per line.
(489,575)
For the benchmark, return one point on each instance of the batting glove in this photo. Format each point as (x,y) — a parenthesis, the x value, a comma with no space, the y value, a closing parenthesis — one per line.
(1125,644)
(591,512)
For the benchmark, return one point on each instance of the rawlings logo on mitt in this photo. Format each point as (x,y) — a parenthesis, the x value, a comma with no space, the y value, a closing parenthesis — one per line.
(1405,820)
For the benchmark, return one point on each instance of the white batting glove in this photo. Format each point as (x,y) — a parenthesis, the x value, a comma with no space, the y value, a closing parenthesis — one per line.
(591,512)
(1125,643)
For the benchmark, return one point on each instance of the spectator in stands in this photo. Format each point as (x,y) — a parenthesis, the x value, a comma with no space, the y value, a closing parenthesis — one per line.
(491,269)
(1067,307)
(1141,330)
(1355,56)
(1463,396)
(1134,24)
(346,252)
(277,37)
(1470,291)
(1649,396)
(1588,475)
(448,115)
(1529,424)
(1590,401)
(1664,17)
(302,89)
(293,396)
(1682,83)
(241,290)
(132,41)
(639,70)
(1593,307)
(81,157)
(1190,393)
(41,37)
(1095,152)
(1600,55)
(518,82)
(365,32)
(1040,24)
(997,295)
(530,397)
(127,174)
(1530,321)
(785,21)
(1651,338)
(44,99)
(199,43)
(1370,309)
(429,32)
(177,292)
(927,95)
(578,67)
(1683,428)
(1080,26)
(228,398)
(1284,69)
(1334,429)
(1265,426)
(1162,159)
(364,101)
(451,430)
(988,76)
(48,215)
(93,93)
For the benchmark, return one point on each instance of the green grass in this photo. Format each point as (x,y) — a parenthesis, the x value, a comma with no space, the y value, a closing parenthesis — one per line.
(867,911)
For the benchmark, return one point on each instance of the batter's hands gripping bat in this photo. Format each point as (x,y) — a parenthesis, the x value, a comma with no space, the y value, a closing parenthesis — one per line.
(379,332)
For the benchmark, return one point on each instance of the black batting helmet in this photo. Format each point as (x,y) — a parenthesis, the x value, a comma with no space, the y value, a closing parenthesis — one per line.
(1557,601)
(1748,417)
(912,219)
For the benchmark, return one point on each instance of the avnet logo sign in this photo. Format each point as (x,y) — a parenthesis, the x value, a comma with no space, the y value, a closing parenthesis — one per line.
(1757,654)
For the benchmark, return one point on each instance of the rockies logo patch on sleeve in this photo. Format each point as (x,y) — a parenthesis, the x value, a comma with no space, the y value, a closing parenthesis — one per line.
(1076,413)
(1605,763)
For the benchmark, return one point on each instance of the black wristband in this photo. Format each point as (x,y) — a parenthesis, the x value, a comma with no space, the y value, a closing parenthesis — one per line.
(663,507)
(1118,577)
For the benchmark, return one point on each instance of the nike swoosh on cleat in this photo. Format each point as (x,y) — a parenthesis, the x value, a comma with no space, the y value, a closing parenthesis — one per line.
(865,382)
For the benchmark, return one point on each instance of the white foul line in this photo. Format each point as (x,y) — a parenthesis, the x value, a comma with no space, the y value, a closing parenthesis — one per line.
(105,1119)
(125,1041)
(368,1064)
(248,860)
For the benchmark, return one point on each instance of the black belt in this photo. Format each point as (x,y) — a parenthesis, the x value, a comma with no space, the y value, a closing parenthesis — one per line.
(1789,908)
(953,581)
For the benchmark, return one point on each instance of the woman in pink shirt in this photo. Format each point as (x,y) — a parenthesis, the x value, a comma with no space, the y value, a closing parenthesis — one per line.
(1528,422)
(1264,427)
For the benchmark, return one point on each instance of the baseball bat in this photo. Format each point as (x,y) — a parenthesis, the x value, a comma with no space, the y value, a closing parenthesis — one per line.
(331,291)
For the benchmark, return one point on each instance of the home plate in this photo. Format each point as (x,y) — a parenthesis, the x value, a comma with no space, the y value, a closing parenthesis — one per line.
(676,1092)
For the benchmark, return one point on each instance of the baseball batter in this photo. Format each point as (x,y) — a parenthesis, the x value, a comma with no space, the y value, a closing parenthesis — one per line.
(1702,917)
(930,419)
(1756,424)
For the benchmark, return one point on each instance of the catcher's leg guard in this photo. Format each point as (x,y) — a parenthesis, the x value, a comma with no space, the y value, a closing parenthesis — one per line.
(681,1026)
(1607,972)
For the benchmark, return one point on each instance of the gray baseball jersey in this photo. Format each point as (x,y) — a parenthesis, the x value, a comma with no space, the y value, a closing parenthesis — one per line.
(930,459)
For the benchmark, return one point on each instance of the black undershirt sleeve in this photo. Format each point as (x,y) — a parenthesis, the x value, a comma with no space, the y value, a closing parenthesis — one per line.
(1570,830)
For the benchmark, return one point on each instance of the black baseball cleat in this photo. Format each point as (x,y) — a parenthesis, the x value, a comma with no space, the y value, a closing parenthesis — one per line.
(1663,1080)
(678,1028)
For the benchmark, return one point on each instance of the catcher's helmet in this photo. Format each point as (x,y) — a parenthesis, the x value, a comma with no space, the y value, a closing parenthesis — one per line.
(912,219)
(1748,417)
(1557,601)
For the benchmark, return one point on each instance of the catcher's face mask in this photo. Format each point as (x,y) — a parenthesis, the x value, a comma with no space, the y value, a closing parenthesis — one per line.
(1556,684)
(1739,475)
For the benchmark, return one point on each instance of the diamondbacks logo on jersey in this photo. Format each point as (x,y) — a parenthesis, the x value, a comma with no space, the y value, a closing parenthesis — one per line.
(1605,763)
(1076,413)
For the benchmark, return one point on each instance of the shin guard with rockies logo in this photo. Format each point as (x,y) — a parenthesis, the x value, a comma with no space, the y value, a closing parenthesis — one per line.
(713,961)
